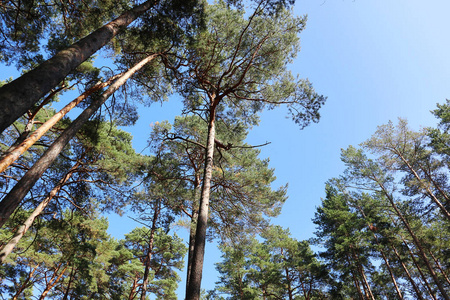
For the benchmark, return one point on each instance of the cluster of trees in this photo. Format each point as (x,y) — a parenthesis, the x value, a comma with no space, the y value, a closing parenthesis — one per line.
(382,229)
(58,175)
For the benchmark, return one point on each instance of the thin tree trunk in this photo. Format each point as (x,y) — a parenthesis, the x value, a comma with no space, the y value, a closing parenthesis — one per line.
(411,280)
(52,283)
(18,150)
(427,188)
(150,249)
(197,193)
(7,249)
(25,283)
(416,241)
(133,293)
(18,192)
(21,94)
(438,265)
(193,290)
(66,294)
(355,280)
(386,261)
(360,268)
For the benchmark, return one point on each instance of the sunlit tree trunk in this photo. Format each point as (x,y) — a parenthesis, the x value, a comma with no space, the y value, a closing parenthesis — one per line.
(408,275)
(12,200)
(21,94)
(28,141)
(7,249)
(53,281)
(416,241)
(193,290)
(25,284)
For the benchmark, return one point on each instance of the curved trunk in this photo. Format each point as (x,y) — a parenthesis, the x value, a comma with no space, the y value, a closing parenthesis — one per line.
(18,192)
(27,142)
(193,290)
(21,94)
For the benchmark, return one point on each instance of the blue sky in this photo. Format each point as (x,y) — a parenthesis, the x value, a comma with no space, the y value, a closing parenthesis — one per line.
(375,60)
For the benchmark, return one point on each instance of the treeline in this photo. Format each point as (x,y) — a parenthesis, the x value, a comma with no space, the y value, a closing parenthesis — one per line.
(58,175)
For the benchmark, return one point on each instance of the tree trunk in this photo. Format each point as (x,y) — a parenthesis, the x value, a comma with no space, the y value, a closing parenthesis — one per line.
(21,94)
(416,242)
(438,265)
(25,283)
(7,249)
(193,290)
(386,261)
(150,249)
(197,192)
(411,280)
(18,192)
(426,187)
(355,280)
(66,294)
(133,289)
(53,282)
(23,146)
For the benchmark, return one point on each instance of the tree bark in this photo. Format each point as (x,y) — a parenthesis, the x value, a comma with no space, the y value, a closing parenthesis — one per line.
(197,191)
(25,283)
(21,94)
(53,282)
(18,150)
(18,192)
(193,290)
(150,249)
(411,280)
(425,186)
(416,241)
(7,249)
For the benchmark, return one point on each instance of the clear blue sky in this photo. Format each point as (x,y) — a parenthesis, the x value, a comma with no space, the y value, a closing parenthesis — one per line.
(375,60)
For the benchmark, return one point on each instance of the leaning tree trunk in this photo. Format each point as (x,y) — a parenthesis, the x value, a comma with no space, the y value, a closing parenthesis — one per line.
(18,192)
(23,146)
(21,94)
(416,242)
(150,248)
(7,249)
(193,290)
(408,275)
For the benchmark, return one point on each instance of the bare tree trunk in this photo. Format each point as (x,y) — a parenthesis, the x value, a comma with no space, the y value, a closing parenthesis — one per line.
(426,187)
(18,192)
(53,282)
(197,192)
(7,249)
(411,280)
(150,249)
(66,294)
(438,265)
(386,261)
(134,287)
(416,242)
(23,146)
(193,290)
(25,283)
(21,94)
